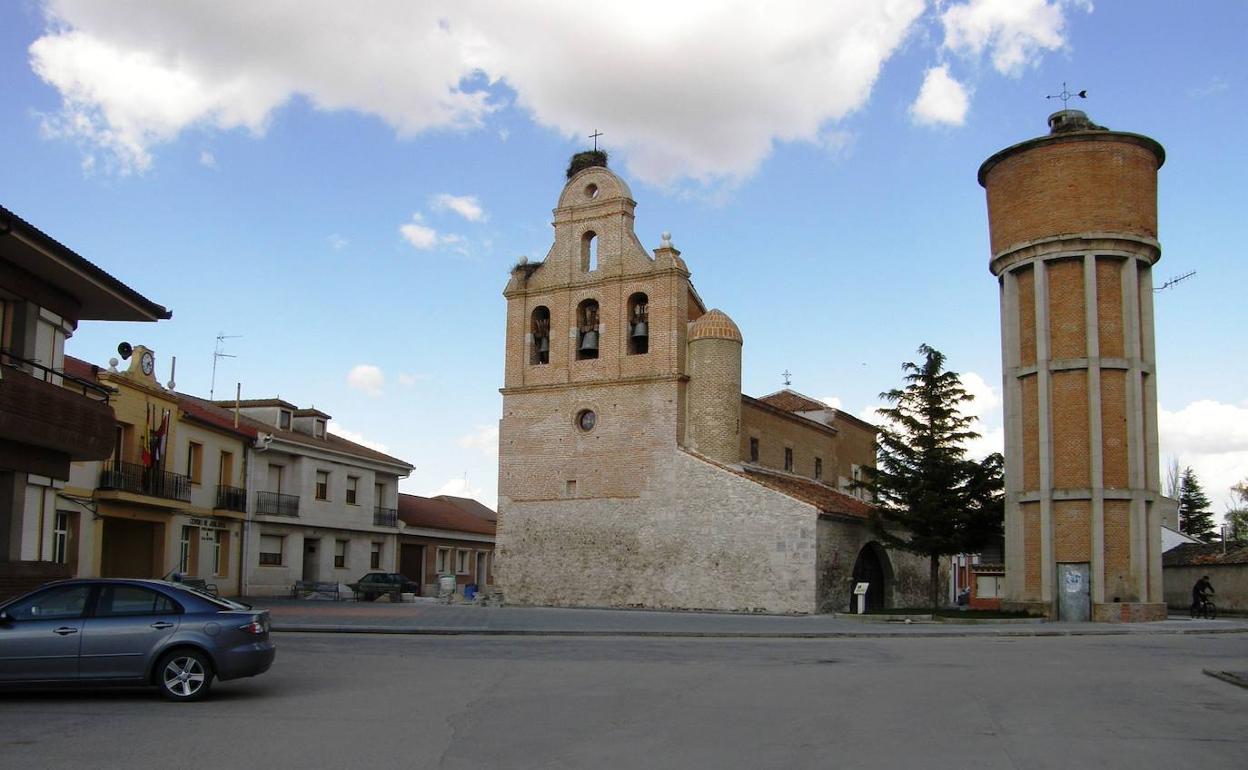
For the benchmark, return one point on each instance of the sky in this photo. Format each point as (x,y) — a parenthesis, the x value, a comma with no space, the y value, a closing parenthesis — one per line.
(342,188)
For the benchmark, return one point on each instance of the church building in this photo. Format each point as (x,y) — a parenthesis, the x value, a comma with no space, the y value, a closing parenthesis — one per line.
(632,470)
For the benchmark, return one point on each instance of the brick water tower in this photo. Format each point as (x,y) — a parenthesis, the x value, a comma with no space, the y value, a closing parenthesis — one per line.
(1073,223)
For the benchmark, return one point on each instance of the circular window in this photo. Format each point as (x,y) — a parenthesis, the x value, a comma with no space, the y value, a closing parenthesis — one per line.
(586,420)
(591,191)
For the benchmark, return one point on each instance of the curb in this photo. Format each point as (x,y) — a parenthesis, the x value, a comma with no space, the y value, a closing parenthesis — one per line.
(1236,678)
(925,634)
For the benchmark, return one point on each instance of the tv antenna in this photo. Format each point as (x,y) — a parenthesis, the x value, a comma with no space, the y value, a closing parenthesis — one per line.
(1173,281)
(218,352)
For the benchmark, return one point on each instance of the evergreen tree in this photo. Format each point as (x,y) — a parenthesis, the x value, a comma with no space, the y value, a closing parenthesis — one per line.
(1237,517)
(1195,518)
(931,499)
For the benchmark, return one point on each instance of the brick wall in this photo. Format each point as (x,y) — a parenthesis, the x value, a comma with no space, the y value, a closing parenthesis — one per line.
(1073,185)
(1067,317)
(714,404)
(775,432)
(19,577)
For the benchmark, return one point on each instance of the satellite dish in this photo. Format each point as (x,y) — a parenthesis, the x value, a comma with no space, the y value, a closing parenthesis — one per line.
(124,350)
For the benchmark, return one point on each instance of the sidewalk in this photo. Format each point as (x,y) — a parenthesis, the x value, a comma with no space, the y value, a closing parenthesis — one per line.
(428,617)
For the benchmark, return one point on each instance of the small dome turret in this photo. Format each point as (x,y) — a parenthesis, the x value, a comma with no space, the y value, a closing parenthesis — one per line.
(714,324)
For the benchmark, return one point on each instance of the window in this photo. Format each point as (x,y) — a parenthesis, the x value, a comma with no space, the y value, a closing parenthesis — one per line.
(379,495)
(818,468)
(788,458)
(353,483)
(195,462)
(638,324)
(569,488)
(275,478)
(587,330)
(318,428)
(753,450)
(461,562)
(225,471)
(283,419)
(589,251)
(586,420)
(374,557)
(340,554)
(119,600)
(220,552)
(271,550)
(539,331)
(60,603)
(443,561)
(322,485)
(60,537)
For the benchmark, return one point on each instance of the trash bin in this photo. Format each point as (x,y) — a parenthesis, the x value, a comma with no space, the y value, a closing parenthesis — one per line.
(446,585)
(470,590)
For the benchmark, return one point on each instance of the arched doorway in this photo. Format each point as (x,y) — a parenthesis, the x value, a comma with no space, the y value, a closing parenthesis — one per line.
(872,567)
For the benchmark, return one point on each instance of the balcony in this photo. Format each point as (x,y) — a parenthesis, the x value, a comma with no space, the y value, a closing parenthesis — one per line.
(140,480)
(44,426)
(231,499)
(277,504)
(386,517)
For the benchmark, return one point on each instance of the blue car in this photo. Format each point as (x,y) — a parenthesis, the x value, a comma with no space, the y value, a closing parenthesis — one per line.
(130,632)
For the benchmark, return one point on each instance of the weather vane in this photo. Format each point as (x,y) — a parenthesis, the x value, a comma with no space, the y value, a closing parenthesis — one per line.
(787,374)
(1066,95)
(595,136)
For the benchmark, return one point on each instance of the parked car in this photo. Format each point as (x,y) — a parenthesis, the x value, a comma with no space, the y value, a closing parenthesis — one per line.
(376,584)
(131,632)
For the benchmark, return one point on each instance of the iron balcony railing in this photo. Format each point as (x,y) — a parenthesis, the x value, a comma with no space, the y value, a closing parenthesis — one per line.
(132,477)
(277,504)
(39,371)
(386,517)
(231,498)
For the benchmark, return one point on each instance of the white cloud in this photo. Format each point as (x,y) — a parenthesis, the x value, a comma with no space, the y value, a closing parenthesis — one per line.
(366,378)
(987,397)
(695,90)
(464,205)
(484,439)
(831,401)
(424,237)
(1212,438)
(357,438)
(460,488)
(941,100)
(337,242)
(1014,32)
(207,159)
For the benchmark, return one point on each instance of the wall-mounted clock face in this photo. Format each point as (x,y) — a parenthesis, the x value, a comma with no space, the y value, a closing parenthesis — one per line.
(147,363)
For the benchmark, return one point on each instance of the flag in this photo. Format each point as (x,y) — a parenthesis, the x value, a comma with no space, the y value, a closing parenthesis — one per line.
(146,444)
(161,434)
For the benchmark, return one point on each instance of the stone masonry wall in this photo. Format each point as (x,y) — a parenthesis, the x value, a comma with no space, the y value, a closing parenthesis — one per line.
(840,542)
(700,537)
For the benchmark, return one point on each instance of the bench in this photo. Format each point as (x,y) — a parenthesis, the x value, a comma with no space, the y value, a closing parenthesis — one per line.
(200,584)
(305,587)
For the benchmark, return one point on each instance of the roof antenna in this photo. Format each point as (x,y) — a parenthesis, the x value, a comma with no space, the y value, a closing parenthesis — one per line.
(217,354)
(1173,281)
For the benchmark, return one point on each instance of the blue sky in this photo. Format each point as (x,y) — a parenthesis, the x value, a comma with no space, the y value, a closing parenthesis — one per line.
(347,189)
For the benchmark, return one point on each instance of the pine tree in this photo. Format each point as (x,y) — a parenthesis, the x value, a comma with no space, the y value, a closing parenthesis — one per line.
(1195,518)
(931,499)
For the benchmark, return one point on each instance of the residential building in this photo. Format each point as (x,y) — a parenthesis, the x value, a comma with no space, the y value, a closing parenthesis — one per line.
(48,419)
(323,508)
(632,469)
(446,536)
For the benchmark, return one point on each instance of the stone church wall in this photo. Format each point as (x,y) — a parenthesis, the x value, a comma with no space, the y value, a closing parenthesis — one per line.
(699,537)
(839,543)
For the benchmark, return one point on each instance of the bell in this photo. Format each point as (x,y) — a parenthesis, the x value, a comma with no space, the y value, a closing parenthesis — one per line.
(544,345)
(640,330)
(589,341)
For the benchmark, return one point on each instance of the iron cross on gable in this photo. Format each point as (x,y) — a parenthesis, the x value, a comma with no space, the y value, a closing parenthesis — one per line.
(595,136)
(787,375)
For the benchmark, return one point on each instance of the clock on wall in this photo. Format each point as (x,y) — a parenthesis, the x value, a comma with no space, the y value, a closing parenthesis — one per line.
(147,362)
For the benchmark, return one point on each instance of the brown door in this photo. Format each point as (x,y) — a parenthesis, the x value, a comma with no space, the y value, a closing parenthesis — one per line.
(412,562)
(128,548)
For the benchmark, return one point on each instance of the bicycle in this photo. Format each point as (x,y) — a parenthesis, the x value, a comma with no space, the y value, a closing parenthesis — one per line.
(1205,609)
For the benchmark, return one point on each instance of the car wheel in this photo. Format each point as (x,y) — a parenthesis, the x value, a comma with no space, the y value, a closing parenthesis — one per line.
(184,675)
(370,597)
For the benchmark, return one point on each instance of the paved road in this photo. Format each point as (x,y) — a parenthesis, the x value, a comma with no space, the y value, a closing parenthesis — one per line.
(336,701)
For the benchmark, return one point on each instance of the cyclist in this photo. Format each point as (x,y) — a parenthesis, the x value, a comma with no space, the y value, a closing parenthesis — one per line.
(1201,593)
